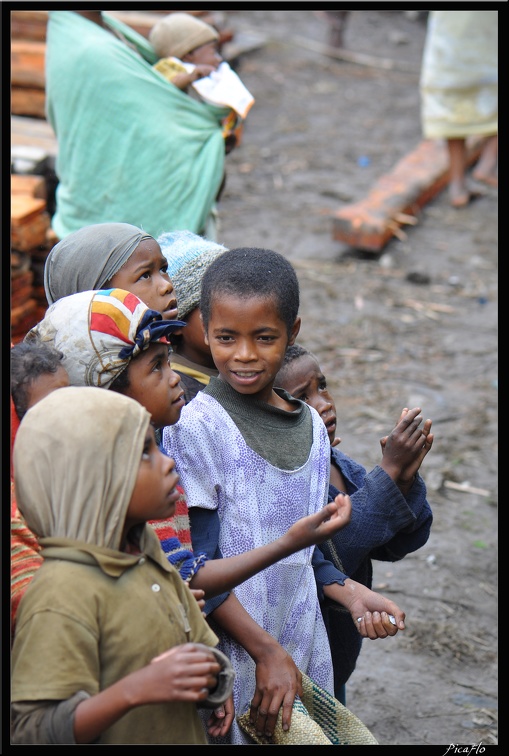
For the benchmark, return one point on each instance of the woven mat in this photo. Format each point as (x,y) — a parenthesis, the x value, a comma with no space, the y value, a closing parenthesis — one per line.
(317,719)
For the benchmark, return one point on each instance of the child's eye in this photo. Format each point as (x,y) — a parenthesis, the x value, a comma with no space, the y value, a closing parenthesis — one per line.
(164,269)
(145,275)
(302,397)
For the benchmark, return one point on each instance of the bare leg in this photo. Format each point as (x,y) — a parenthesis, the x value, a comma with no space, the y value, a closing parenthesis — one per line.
(458,192)
(487,165)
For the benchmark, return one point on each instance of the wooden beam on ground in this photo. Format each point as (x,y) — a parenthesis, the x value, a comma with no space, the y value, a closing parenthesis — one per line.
(397,197)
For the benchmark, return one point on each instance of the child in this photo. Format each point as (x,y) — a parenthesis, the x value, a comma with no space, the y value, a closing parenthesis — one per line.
(188,257)
(111,255)
(36,370)
(188,54)
(390,514)
(180,37)
(263,462)
(98,657)
(129,361)
(131,146)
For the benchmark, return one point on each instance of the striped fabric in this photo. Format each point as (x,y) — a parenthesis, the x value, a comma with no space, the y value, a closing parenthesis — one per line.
(25,557)
(112,312)
(175,538)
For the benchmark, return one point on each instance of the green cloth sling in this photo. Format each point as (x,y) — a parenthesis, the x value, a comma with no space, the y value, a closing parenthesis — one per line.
(131,146)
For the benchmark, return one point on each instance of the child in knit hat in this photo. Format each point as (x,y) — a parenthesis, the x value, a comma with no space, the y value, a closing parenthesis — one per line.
(189,256)
(189,57)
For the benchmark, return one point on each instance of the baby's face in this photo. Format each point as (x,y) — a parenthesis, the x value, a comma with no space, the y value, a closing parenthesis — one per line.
(205,55)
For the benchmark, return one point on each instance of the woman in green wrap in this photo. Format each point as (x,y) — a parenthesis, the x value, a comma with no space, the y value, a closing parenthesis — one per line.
(132,147)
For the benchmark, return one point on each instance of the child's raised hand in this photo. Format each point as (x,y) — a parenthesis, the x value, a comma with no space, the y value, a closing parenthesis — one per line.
(406,446)
(321,525)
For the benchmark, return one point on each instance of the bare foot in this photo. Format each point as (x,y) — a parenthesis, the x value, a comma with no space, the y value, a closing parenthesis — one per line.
(459,195)
(490,179)
(486,169)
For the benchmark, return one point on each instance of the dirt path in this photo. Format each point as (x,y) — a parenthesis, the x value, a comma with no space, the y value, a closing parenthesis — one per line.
(416,325)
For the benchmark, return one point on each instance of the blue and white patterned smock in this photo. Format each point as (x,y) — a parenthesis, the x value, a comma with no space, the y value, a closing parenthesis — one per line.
(256,504)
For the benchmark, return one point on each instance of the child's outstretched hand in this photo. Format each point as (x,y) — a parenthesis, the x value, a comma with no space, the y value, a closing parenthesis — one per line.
(405,447)
(370,611)
(320,526)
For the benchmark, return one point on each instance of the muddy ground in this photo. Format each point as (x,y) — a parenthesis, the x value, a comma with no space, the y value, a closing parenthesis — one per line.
(415,325)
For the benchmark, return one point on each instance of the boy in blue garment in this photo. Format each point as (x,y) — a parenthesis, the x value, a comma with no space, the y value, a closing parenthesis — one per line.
(252,460)
(390,514)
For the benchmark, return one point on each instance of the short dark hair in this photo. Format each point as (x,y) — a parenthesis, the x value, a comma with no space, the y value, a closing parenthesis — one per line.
(29,360)
(292,353)
(248,272)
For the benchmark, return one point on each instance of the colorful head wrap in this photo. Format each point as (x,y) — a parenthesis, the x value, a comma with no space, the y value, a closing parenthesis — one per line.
(188,256)
(100,332)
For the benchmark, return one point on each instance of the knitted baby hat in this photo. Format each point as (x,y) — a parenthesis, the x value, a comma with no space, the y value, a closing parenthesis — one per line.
(177,34)
(188,256)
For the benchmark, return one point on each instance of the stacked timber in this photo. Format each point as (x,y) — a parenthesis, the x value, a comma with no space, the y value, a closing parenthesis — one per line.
(31,242)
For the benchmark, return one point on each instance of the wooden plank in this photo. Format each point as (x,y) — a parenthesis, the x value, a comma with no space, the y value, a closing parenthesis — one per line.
(29,25)
(25,208)
(28,102)
(28,63)
(34,186)
(29,222)
(397,196)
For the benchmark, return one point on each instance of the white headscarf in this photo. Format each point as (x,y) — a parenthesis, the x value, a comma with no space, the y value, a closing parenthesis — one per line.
(76,459)
(100,332)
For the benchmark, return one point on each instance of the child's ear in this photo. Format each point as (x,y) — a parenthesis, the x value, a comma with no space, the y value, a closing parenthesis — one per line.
(294,332)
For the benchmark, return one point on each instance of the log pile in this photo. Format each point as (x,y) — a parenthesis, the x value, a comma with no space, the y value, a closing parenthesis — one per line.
(31,242)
